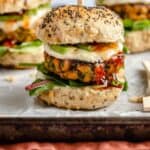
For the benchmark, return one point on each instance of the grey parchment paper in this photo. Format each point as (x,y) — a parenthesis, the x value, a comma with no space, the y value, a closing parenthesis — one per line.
(15,101)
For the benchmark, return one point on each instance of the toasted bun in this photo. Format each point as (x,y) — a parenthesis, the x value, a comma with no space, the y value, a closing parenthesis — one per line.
(78,24)
(80,98)
(8,6)
(113,2)
(14,60)
(138,41)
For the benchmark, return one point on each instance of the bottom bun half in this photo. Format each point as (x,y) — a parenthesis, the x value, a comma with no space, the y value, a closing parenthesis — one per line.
(80,98)
(138,41)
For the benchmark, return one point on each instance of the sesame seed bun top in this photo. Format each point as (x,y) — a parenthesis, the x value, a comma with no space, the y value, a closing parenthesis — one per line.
(78,24)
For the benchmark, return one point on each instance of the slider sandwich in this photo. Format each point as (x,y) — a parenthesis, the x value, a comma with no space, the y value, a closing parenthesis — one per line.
(19,46)
(136,19)
(84,59)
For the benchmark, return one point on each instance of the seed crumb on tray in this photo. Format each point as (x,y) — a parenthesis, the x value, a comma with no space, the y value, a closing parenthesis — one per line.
(136,99)
(146,103)
(147,68)
(145,100)
(9,79)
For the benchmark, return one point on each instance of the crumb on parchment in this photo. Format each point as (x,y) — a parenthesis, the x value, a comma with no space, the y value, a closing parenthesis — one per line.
(9,78)
(136,99)
(32,75)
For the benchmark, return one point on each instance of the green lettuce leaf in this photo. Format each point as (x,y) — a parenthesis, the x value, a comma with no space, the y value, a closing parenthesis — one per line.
(3,50)
(62,49)
(140,25)
(35,10)
(55,80)
(84,47)
(125,49)
(45,87)
(117,83)
(30,12)
(100,2)
(27,47)
(125,87)
(75,83)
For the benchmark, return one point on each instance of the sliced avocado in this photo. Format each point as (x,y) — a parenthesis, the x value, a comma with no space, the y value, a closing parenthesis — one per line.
(35,10)
(29,44)
(62,49)
(142,24)
(131,25)
(31,12)
(85,47)
(10,17)
(27,47)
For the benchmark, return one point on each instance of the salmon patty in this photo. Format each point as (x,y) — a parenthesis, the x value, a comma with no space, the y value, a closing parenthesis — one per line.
(94,73)
(18,36)
(132,11)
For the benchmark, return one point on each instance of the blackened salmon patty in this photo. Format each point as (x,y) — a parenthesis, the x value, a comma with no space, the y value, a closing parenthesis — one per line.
(98,72)
(132,11)
(19,35)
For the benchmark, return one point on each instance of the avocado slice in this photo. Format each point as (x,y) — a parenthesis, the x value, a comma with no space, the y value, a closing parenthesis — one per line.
(131,25)
(35,43)
(85,47)
(62,49)
(141,25)
(10,17)
(28,47)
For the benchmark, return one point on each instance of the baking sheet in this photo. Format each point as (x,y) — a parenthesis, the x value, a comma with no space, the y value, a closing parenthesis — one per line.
(15,101)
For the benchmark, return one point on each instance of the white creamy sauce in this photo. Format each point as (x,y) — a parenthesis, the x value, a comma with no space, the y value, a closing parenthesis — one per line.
(40,75)
(112,2)
(36,17)
(83,55)
(12,26)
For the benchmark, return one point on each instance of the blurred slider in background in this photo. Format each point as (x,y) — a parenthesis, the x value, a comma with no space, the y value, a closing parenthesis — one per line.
(84,59)
(136,19)
(19,46)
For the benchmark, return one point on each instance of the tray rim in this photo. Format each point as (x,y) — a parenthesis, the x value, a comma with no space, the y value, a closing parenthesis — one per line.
(77,120)
(69,129)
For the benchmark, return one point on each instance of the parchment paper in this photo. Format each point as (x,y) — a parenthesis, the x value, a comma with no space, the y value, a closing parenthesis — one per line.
(15,101)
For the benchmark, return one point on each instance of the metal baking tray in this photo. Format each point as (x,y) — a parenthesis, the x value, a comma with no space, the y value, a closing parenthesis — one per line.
(22,118)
